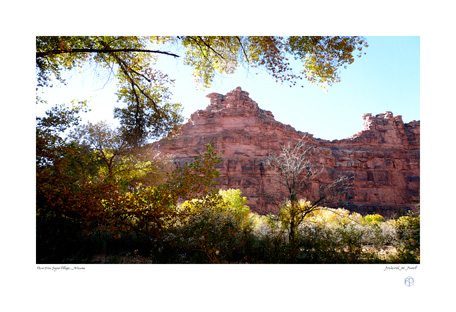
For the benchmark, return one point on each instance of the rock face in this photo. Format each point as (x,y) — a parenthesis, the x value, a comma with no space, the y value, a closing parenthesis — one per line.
(384,158)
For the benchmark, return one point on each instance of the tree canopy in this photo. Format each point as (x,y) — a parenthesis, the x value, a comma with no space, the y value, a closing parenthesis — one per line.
(146,90)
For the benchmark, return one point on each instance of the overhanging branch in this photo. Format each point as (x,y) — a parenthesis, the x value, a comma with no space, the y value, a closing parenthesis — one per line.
(54,52)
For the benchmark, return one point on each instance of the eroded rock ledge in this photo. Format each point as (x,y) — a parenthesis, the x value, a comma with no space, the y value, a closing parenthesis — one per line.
(384,157)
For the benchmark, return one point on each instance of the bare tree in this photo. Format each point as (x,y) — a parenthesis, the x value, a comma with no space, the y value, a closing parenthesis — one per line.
(294,174)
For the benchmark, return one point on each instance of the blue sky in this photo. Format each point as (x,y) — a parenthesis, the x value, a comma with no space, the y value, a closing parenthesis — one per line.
(387,78)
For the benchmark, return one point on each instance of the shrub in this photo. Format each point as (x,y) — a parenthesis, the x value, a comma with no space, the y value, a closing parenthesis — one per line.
(373,219)
(408,238)
(270,242)
(217,226)
(338,236)
(334,217)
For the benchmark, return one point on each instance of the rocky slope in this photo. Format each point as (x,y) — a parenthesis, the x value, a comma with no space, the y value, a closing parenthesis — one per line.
(384,158)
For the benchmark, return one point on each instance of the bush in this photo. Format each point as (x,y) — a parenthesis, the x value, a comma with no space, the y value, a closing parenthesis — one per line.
(338,236)
(373,219)
(218,227)
(270,242)
(408,238)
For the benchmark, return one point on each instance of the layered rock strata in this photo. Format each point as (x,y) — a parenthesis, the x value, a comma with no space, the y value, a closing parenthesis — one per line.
(383,159)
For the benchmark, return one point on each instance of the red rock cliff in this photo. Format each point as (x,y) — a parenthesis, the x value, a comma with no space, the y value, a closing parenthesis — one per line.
(384,158)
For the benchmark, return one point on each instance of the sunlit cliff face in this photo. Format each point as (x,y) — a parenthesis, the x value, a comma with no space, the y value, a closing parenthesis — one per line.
(383,159)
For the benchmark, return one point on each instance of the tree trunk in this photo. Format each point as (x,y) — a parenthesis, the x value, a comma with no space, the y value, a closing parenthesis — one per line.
(291,237)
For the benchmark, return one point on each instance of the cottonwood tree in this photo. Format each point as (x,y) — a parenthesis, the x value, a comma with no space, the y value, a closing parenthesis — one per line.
(146,90)
(116,159)
(90,181)
(143,89)
(294,173)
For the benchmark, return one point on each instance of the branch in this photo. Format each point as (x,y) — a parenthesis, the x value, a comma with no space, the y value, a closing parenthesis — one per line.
(210,47)
(243,50)
(54,52)
(126,69)
(199,46)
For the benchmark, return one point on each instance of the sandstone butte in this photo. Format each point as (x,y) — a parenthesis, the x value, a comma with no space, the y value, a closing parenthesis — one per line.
(383,158)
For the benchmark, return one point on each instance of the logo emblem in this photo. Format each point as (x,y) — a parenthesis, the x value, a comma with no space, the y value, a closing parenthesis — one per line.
(409,281)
